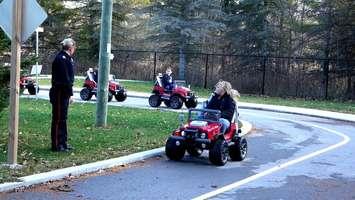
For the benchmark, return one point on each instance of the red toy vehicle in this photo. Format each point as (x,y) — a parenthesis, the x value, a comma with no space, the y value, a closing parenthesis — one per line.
(174,98)
(202,132)
(115,89)
(28,83)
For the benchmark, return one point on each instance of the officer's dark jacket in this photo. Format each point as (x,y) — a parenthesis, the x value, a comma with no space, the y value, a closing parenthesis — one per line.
(226,105)
(63,72)
(167,80)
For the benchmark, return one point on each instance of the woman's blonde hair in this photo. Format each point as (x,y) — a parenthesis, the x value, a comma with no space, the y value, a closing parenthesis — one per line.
(227,87)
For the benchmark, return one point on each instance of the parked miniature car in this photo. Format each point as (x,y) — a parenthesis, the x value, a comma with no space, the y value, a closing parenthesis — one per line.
(28,83)
(202,132)
(174,98)
(115,90)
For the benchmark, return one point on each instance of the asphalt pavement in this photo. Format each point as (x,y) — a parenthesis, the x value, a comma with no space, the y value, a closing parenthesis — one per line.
(290,157)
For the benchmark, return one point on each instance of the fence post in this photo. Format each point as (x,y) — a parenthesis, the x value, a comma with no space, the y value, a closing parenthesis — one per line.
(326,74)
(264,74)
(206,72)
(155,65)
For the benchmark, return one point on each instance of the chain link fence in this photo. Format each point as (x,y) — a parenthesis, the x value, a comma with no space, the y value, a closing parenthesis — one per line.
(313,78)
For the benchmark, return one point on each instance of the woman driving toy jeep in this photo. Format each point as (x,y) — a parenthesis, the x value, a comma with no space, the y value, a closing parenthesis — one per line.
(222,99)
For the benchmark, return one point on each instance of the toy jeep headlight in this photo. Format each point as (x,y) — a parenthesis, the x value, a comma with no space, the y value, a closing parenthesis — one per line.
(203,135)
(183,133)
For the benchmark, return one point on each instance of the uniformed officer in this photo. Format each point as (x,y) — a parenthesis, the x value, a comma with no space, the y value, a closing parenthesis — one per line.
(61,93)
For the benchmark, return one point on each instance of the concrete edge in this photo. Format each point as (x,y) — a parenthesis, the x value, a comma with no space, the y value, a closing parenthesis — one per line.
(246,128)
(79,170)
(92,167)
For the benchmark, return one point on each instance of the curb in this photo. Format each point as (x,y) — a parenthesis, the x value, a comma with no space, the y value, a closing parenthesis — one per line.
(92,167)
(79,170)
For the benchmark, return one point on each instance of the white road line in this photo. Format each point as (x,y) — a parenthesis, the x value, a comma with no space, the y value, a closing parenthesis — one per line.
(237,184)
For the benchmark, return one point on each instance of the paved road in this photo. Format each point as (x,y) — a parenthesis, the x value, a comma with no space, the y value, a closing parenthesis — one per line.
(138,102)
(290,157)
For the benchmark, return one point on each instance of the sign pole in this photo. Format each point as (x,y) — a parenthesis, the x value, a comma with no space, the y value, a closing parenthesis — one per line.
(14,82)
(37,62)
(38,30)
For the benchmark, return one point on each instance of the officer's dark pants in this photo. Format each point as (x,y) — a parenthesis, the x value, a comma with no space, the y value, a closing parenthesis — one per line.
(60,102)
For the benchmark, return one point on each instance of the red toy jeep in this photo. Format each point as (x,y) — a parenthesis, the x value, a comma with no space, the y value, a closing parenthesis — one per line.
(28,83)
(174,98)
(115,89)
(202,132)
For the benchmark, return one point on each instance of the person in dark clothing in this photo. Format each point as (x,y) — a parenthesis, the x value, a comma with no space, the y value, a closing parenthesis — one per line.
(61,93)
(96,75)
(167,80)
(222,99)
(92,75)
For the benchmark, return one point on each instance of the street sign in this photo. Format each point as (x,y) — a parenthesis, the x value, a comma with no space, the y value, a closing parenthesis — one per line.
(33,16)
(36,69)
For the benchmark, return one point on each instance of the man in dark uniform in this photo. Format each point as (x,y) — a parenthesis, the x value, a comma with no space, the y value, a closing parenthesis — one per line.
(61,94)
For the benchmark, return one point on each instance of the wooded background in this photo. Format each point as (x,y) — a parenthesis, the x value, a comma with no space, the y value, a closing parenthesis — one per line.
(299,48)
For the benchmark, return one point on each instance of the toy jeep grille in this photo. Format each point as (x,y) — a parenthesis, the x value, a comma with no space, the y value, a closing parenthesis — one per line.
(191,133)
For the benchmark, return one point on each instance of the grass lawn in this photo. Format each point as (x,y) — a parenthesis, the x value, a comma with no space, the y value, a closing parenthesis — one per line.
(43,81)
(130,130)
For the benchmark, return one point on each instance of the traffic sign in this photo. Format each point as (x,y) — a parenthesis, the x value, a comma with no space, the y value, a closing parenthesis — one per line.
(33,16)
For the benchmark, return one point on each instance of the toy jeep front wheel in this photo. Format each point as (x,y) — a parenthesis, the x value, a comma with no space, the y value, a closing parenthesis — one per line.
(121,96)
(174,149)
(32,90)
(176,102)
(218,155)
(154,100)
(110,96)
(238,151)
(191,103)
(85,94)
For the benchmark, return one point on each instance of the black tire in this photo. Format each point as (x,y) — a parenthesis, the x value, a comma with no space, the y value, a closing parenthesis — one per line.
(176,102)
(167,103)
(31,90)
(191,103)
(218,155)
(22,89)
(238,151)
(121,96)
(85,94)
(110,96)
(154,100)
(195,152)
(174,152)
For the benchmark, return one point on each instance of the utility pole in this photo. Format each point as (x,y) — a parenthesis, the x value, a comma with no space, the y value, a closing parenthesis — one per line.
(14,82)
(104,63)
